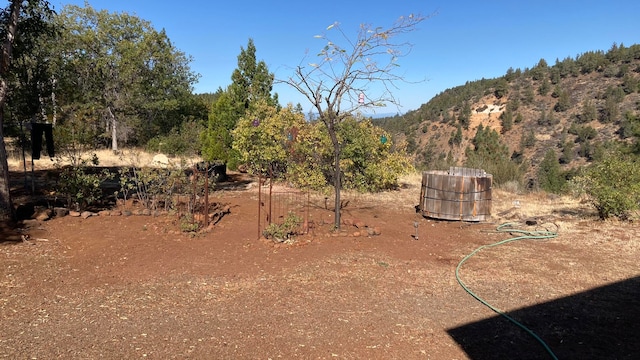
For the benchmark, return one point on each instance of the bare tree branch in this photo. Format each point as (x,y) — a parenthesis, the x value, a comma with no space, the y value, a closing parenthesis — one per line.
(341,82)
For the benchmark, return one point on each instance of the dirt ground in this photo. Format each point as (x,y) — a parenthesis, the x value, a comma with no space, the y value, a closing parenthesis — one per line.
(123,287)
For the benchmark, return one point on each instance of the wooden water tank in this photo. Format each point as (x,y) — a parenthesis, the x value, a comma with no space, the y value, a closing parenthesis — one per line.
(458,194)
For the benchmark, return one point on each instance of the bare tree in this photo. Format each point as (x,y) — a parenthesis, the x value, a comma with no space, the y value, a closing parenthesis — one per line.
(361,74)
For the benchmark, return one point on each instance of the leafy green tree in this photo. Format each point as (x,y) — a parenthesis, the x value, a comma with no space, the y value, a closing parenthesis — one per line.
(591,61)
(529,95)
(312,161)
(610,112)
(31,77)
(368,160)
(564,102)
(252,83)
(544,88)
(492,155)
(121,67)
(506,120)
(562,66)
(514,104)
(340,82)
(554,75)
(539,71)
(183,141)
(567,152)
(630,126)
(589,112)
(11,18)
(501,89)
(614,93)
(583,133)
(510,75)
(456,136)
(550,176)
(217,139)
(264,136)
(251,80)
(613,185)
(464,118)
(630,84)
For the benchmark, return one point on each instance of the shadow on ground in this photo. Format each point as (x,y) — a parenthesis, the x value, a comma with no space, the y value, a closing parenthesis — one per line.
(602,323)
(9,232)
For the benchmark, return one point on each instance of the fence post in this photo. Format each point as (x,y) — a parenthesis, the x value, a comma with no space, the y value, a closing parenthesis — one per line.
(259,201)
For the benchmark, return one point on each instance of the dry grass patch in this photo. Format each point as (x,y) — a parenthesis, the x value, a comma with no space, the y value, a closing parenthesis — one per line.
(108,158)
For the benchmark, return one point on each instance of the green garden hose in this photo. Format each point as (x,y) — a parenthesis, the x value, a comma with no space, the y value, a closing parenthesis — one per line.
(524,234)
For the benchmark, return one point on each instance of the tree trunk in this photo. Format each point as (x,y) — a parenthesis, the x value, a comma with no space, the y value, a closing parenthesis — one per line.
(337,177)
(53,101)
(114,130)
(6,204)
(114,134)
(337,185)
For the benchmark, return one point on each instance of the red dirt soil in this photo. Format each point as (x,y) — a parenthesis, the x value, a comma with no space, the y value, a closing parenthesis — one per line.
(118,287)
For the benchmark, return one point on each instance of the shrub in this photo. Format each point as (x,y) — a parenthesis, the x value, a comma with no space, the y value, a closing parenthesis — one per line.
(286,230)
(180,141)
(188,224)
(549,173)
(612,185)
(152,187)
(80,185)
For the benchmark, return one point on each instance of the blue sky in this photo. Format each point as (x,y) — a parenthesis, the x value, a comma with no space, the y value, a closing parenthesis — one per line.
(461,41)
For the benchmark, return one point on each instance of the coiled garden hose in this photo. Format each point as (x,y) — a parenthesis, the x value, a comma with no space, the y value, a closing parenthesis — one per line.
(524,235)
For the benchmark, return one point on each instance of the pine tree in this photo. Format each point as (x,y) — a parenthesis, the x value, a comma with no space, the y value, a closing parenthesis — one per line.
(549,173)
(251,80)
(252,83)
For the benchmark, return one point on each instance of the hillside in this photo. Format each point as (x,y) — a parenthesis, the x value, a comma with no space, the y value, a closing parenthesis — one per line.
(576,107)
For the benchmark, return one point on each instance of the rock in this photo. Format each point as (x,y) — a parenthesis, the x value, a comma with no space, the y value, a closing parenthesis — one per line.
(126,213)
(42,214)
(359,224)
(347,222)
(39,208)
(208,229)
(160,160)
(30,223)
(74,213)
(356,234)
(60,211)
(104,213)
(374,231)
(116,213)
(146,212)
(87,214)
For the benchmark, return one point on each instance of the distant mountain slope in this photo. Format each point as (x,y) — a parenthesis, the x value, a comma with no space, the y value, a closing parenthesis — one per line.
(576,107)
